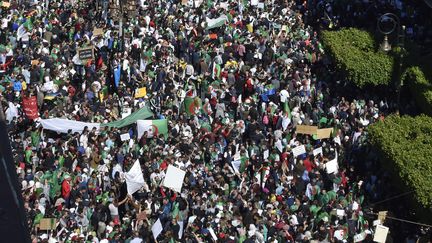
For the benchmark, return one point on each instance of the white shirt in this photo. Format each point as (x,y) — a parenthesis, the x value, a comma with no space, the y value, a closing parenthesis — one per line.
(113,209)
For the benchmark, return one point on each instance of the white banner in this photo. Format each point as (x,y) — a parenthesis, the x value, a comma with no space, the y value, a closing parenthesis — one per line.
(64,125)
(134,178)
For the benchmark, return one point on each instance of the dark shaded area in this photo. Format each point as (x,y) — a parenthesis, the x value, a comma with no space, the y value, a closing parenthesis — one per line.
(13,226)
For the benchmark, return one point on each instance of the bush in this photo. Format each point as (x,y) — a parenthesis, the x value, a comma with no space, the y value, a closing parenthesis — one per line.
(420,87)
(406,144)
(353,51)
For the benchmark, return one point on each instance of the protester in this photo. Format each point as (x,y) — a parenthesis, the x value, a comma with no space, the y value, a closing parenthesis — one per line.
(232,80)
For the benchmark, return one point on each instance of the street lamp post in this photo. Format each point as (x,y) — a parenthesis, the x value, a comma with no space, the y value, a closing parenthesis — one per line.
(385,46)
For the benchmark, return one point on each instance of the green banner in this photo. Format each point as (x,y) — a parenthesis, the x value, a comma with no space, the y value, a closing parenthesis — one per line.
(140,114)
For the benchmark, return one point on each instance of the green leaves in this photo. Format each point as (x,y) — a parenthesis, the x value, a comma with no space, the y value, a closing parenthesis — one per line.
(406,144)
(353,50)
(420,87)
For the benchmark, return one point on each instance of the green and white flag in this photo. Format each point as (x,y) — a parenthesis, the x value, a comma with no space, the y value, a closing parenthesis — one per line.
(152,127)
(217,22)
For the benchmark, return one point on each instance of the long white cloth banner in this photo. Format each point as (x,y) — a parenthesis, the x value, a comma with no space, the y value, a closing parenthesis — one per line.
(64,125)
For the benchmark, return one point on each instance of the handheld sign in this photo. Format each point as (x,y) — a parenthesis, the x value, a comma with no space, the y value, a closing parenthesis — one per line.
(86,53)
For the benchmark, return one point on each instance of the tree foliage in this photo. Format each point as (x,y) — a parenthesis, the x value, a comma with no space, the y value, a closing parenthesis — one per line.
(420,87)
(354,52)
(406,144)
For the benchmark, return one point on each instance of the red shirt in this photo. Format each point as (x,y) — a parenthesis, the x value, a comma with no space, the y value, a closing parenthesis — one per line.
(308,165)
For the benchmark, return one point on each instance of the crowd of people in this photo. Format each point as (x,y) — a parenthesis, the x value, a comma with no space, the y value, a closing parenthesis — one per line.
(255,71)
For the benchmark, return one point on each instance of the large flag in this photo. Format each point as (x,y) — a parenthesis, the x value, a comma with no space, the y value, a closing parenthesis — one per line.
(152,127)
(192,105)
(140,114)
(217,22)
(30,107)
(134,178)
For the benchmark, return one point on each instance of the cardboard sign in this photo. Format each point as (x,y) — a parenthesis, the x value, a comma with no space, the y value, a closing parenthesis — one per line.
(47,224)
(381,234)
(47,36)
(141,92)
(86,53)
(324,133)
(304,129)
(98,31)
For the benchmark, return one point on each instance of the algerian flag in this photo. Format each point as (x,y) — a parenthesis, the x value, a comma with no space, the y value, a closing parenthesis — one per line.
(28,24)
(287,110)
(152,127)
(134,178)
(216,72)
(217,22)
(192,105)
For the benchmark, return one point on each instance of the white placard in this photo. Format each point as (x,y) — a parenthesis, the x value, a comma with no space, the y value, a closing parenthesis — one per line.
(48,86)
(260,5)
(318,151)
(266,154)
(299,150)
(360,237)
(376,222)
(254,2)
(331,166)
(174,178)
(124,137)
(157,229)
(381,234)
(340,212)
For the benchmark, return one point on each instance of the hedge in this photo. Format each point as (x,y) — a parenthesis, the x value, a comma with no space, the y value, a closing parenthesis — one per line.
(420,87)
(354,53)
(406,144)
